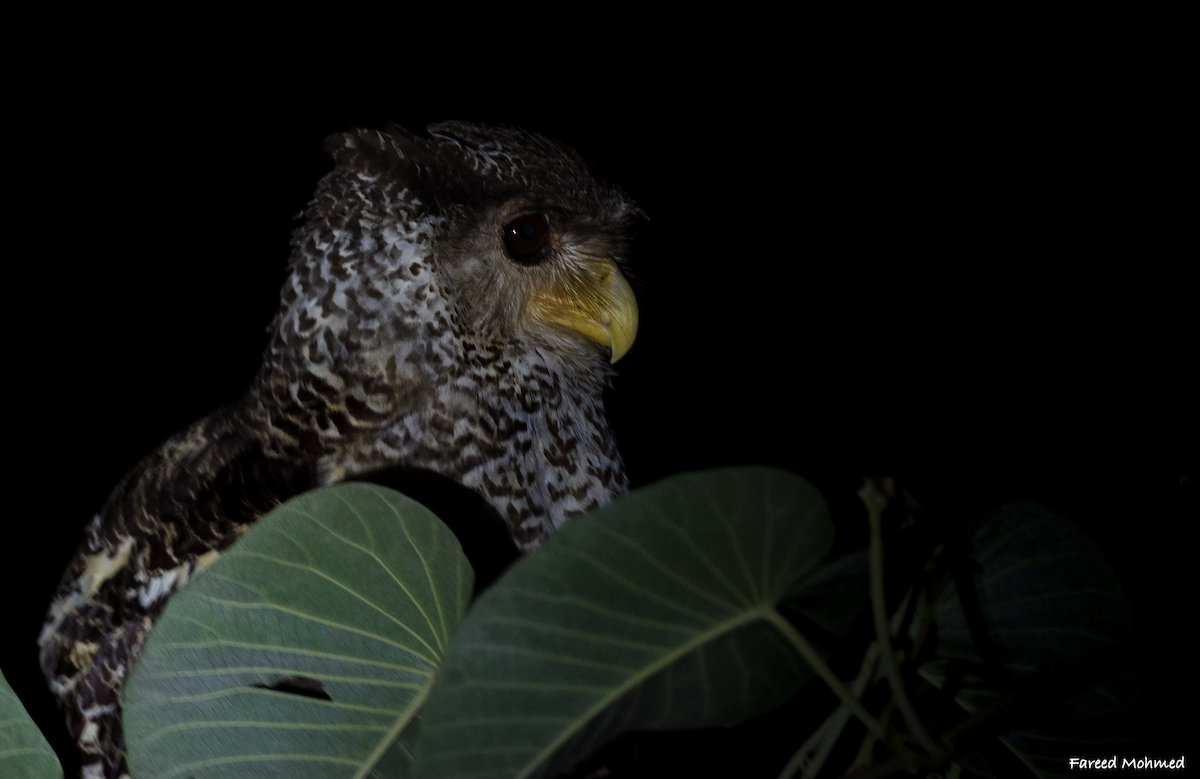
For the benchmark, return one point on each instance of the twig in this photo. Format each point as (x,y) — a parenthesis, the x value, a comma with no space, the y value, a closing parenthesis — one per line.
(812,753)
(816,748)
(875,495)
(866,747)
(822,670)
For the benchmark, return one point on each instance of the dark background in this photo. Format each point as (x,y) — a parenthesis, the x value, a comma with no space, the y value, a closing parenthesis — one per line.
(970,278)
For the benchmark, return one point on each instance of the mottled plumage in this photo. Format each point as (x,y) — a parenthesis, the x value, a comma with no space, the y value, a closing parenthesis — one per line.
(448,308)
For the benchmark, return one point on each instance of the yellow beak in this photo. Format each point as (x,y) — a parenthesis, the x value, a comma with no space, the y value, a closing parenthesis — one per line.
(598,304)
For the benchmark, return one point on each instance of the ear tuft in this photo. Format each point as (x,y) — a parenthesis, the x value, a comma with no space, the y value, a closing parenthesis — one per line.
(368,151)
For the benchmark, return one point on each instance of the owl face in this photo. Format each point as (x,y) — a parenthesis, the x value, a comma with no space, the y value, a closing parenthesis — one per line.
(529,268)
(531,242)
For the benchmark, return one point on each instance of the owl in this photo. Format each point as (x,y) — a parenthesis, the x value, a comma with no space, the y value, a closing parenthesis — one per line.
(454,304)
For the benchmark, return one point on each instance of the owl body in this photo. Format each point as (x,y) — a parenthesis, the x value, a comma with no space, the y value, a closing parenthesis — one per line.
(452,305)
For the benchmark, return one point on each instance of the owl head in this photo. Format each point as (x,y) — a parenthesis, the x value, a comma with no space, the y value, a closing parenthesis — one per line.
(527,240)
(476,251)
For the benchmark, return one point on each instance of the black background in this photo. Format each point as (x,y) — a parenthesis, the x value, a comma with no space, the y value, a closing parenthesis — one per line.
(970,277)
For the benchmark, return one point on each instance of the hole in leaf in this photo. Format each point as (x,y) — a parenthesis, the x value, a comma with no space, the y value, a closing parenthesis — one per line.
(299,685)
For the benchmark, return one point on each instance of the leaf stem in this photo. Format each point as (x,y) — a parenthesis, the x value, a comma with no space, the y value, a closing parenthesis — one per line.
(809,653)
(389,739)
(817,747)
(811,755)
(875,495)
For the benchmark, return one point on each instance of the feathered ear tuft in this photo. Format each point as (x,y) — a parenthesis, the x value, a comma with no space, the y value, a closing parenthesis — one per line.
(373,152)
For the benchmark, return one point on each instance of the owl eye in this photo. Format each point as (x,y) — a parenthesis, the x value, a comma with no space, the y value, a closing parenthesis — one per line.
(525,237)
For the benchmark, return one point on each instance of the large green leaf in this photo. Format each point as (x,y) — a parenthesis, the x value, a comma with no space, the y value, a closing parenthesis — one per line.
(353,590)
(648,613)
(832,596)
(1049,600)
(24,753)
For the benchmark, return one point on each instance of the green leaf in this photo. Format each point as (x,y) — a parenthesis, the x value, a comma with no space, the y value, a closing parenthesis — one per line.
(24,752)
(646,613)
(834,595)
(1049,599)
(352,591)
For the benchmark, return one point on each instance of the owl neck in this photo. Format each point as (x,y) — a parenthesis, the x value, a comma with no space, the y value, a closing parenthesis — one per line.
(517,430)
